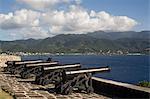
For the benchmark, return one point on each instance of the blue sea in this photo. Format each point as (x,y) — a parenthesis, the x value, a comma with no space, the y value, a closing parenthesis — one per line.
(131,69)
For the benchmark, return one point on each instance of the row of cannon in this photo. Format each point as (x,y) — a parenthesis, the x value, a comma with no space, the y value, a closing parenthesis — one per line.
(65,77)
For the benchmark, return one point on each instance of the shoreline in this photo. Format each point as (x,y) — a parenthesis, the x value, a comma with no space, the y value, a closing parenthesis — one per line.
(84,55)
(76,54)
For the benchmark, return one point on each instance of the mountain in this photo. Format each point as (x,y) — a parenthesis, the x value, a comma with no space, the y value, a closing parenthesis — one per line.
(83,43)
(119,35)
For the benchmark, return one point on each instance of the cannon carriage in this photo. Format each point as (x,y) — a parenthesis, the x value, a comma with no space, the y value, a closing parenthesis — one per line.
(53,74)
(12,66)
(35,69)
(78,79)
(65,77)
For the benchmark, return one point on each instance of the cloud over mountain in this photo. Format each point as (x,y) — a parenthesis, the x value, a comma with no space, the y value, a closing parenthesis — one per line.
(32,23)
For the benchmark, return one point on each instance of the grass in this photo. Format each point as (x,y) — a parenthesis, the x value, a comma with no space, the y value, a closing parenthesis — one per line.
(4,95)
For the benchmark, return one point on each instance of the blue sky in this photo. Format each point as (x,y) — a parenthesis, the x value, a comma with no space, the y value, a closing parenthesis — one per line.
(137,10)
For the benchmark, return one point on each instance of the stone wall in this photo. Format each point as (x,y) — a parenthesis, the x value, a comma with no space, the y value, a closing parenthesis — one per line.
(5,58)
(119,89)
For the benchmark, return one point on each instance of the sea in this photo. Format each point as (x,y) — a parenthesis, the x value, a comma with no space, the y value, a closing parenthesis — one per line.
(128,68)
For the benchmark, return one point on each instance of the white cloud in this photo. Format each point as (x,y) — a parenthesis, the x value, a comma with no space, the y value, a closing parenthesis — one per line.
(35,24)
(78,20)
(19,19)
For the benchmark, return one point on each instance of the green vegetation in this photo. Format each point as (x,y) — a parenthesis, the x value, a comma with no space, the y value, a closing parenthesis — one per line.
(82,43)
(144,84)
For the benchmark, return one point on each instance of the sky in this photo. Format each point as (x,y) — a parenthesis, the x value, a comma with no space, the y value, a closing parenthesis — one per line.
(38,19)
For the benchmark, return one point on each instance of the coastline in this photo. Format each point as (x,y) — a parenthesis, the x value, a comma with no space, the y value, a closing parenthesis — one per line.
(76,54)
(85,55)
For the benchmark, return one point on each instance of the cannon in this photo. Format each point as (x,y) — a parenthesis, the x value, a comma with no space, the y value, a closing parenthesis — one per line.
(13,65)
(24,67)
(35,69)
(16,66)
(81,80)
(52,74)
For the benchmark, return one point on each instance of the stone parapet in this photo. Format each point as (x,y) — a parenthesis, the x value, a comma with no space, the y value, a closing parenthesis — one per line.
(119,89)
(5,58)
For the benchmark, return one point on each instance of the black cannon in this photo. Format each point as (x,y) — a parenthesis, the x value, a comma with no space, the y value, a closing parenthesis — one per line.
(17,65)
(24,67)
(35,69)
(80,80)
(52,74)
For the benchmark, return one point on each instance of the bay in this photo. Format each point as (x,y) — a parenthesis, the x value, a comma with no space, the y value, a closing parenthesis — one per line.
(131,69)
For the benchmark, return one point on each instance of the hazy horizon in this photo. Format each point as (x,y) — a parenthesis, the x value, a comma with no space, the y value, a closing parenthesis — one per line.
(70,33)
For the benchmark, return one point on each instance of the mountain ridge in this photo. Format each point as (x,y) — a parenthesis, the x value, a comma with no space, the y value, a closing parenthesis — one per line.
(82,43)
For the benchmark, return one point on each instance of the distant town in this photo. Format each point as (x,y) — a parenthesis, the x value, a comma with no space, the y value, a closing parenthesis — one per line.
(109,52)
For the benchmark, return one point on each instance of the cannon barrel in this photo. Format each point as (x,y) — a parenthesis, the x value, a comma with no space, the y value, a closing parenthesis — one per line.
(89,70)
(36,69)
(63,66)
(26,62)
(23,62)
(53,74)
(42,64)
(15,65)
(80,79)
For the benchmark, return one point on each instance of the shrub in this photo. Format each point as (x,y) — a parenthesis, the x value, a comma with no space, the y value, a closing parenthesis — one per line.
(144,84)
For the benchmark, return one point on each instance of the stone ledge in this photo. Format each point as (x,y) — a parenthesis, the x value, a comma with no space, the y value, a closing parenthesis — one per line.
(119,89)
